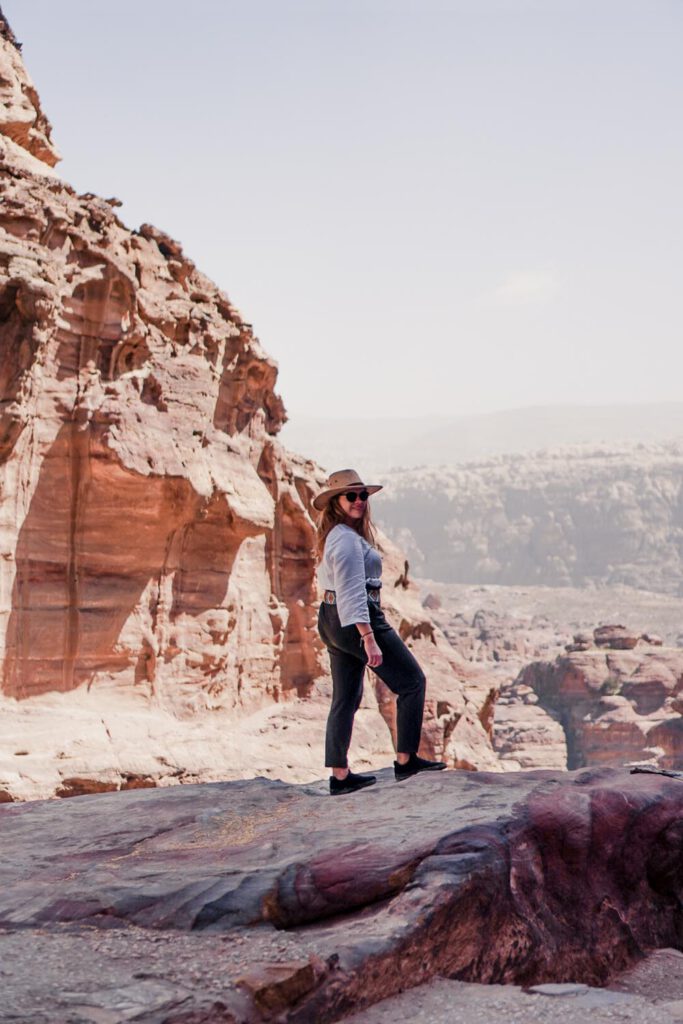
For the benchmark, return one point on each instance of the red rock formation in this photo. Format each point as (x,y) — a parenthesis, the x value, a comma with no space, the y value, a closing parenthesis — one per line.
(618,638)
(156,539)
(524,878)
(616,706)
(21,118)
(138,414)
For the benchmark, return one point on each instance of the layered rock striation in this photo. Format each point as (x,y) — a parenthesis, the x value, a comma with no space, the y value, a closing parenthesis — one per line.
(156,539)
(257,901)
(531,642)
(618,700)
(143,485)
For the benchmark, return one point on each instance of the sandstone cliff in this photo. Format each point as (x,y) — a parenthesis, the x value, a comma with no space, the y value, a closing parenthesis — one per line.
(157,579)
(618,702)
(534,643)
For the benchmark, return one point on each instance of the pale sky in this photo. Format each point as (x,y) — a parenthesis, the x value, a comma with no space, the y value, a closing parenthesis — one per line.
(423,208)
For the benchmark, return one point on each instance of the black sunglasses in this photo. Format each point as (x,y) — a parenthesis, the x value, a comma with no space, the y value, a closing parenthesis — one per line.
(352,496)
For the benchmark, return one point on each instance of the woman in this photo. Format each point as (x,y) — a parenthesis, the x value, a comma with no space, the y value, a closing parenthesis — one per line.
(353,628)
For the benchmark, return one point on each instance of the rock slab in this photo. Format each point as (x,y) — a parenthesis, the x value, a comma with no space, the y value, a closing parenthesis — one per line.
(315,907)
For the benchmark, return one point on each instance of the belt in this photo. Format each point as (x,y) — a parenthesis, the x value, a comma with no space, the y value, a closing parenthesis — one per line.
(331,598)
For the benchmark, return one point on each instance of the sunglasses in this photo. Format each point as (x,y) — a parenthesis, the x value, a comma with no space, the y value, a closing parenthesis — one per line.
(352,496)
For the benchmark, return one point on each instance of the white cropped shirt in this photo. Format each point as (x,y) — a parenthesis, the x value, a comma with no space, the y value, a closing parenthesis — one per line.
(349,566)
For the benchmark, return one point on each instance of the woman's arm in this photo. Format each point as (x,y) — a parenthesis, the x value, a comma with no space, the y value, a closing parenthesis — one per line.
(370,644)
(345,554)
(348,564)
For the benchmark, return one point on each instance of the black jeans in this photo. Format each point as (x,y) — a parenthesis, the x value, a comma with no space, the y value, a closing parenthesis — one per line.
(399,670)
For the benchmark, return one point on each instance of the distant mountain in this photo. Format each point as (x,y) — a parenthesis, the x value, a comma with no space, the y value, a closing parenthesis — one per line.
(378,445)
(563,517)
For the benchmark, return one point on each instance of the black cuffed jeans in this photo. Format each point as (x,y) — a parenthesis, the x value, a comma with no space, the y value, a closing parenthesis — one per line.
(399,670)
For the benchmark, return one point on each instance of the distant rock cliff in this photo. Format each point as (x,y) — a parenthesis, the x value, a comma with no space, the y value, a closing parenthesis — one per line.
(565,517)
(616,705)
(156,539)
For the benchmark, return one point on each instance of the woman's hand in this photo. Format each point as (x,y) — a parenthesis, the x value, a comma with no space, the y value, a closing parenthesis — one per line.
(372,650)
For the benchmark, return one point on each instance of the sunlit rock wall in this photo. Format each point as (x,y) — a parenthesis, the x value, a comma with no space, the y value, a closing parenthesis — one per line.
(152,530)
(156,543)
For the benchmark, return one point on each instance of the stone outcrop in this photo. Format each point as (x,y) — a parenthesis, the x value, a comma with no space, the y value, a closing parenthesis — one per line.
(616,705)
(518,635)
(157,580)
(566,517)
(527,735)
(21,117)
(618,638)
(258,901)
(148,513)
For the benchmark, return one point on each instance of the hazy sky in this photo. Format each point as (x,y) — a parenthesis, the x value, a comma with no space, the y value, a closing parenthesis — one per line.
(422,207)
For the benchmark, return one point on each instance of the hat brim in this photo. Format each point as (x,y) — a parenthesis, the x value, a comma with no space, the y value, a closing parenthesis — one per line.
(324,497)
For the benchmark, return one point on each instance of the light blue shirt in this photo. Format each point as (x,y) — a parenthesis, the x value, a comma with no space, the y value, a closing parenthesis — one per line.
(349,565)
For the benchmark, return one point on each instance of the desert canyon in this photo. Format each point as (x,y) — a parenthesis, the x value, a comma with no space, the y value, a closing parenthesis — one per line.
(158,576)
(160,663)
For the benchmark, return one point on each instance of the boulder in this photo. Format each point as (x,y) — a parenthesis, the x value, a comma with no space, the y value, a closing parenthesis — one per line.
(260,901)
(615,706)
(617,637)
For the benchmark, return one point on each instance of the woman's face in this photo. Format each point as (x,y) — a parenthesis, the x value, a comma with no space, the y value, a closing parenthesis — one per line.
(353,510)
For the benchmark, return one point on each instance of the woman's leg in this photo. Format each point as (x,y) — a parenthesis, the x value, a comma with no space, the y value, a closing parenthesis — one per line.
(403,675)
(347,693)
(347,662)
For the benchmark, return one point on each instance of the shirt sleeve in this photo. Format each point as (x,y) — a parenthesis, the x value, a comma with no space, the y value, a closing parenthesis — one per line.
(348,566)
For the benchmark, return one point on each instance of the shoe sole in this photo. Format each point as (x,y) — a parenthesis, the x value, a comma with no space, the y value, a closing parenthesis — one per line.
(419,771)
(352,789)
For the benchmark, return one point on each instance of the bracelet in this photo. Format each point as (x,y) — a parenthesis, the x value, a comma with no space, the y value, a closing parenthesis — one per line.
(370,632)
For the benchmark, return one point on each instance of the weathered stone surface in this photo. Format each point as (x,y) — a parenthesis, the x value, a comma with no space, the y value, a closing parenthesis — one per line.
(618,638)
(439,1001)
(21,117)
(323,906)
(528,736)
(505,630)
(148,513)
(616,706)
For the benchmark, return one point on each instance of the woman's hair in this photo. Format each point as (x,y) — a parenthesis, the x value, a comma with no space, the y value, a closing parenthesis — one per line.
(332,515)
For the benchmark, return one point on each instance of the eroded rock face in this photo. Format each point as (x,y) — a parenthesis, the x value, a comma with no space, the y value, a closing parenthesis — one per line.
(158,566)
(21,117)
(572,692)
(616,706)
(617,637)
(315,907)
(149,515)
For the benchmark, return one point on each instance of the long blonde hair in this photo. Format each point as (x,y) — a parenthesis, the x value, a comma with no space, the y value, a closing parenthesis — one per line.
(332,515)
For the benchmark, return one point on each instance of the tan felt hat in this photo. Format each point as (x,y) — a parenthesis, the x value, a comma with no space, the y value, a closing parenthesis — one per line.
(340,482)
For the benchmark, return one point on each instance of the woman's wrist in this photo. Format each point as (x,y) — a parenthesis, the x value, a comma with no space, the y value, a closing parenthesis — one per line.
(366,635)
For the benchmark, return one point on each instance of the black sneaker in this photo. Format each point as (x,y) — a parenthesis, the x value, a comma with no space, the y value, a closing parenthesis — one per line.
(416,764)
(350,783)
